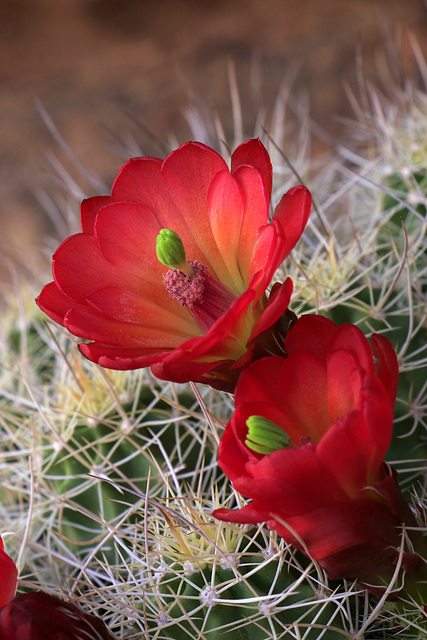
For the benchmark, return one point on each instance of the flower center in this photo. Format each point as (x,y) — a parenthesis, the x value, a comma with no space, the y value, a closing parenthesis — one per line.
(189,283)
(186,289)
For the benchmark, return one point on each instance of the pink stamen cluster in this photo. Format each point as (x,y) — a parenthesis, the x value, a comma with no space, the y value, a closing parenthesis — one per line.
(203,295)
(187,290)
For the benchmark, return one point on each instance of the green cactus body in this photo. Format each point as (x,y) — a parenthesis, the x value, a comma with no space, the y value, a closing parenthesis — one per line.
(250,594)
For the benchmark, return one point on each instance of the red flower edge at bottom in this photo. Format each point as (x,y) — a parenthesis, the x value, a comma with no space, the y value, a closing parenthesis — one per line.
(40,616)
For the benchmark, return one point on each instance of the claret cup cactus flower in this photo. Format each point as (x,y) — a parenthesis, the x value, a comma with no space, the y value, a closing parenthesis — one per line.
(307,443)
(171,270)
(8,576)
(39,616)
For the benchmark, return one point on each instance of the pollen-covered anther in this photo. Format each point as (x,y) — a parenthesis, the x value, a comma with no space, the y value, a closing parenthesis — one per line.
(186,289)
(205,297)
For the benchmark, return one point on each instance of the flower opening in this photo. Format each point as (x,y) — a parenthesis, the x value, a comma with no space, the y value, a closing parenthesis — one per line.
(202,295)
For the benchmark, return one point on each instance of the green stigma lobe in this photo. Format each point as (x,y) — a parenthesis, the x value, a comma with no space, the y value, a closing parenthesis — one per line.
(265,436)
(169,249)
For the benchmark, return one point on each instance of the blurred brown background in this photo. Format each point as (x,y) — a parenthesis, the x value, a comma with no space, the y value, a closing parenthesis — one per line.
(98,65)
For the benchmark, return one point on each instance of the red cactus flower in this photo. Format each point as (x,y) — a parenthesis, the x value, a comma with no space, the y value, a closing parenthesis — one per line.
(8,576)
(208,315)
(40,616)
(307,443)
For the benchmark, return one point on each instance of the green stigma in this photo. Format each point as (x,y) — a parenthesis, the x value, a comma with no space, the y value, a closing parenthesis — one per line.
(170,250)
(265,436)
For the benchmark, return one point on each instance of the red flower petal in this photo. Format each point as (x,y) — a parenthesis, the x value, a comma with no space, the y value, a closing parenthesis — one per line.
(141,310)
(40,616)
(141,180)
(266,255)
(290,479)
(79,268)
(320,330)
(87,323)
(275,308)
(233,454)
(121,358)
(249,514)
(9,576)
(89,209)
(351,338)
(343,528)
(256,212)
(126,234)
(279,493)
(378,412)
(293,212)
(348,450)
(253,154)
(303,387)
(255,382)
(387,366)
(209,351)
(225,205)
(342,398)
(188,173)
(276,240)
(55,303)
